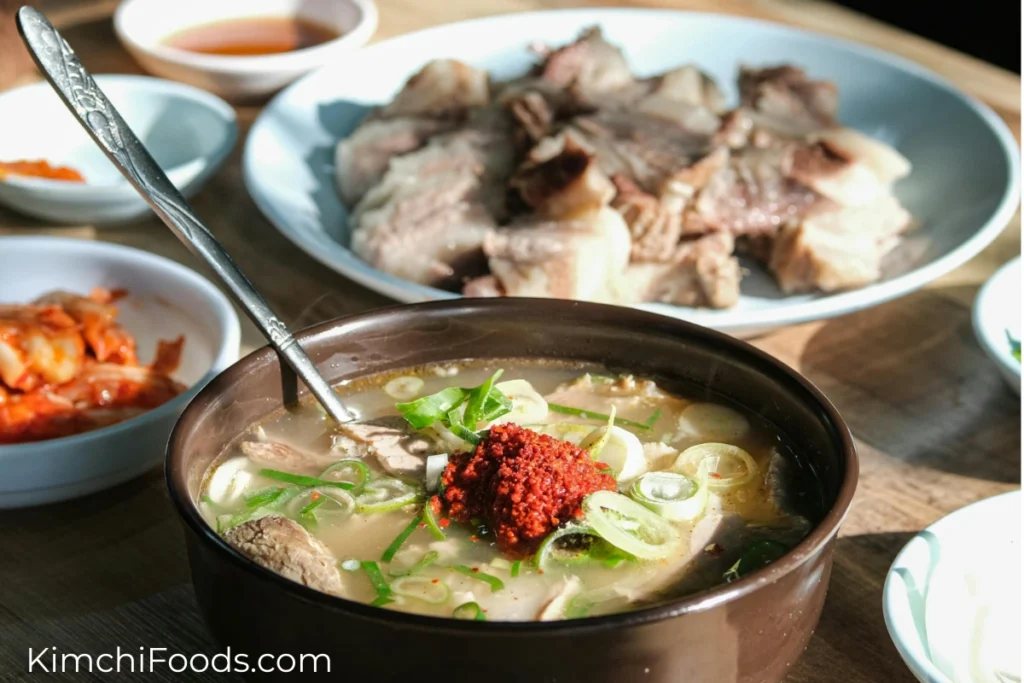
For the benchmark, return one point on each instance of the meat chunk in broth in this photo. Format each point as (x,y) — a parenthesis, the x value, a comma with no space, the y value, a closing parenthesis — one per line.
(283,546)
(285,457)
(387,439)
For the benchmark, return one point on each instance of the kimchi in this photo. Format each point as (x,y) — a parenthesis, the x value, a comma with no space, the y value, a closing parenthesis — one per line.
(67,366)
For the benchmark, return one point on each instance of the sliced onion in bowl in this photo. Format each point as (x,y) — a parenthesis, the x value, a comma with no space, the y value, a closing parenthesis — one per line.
(724,465)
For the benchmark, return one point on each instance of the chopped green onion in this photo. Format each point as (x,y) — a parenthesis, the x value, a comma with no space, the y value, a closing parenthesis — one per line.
(302,480)
(629,526)
(469,610)
(361,470)
(427,560)
(477,398)
(389,553)
(591,415)
(653,419)
(495,583)
(263,497)
(548,549)
(206,500)
(607,379)
(578,607)
(380,601)
(276,503)
(431,519)
(386,495)
(428,410)
(759,554)
(465,434)
(307,514)
(422,588)
(1014,345)
(514,571)
(380,584)
(351,565)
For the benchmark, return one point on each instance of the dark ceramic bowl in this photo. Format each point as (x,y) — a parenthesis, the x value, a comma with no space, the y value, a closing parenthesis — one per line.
(751,630)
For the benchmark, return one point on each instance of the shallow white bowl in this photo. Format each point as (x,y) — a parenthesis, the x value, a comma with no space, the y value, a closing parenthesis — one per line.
(996,315)
(983,533)
(189,132)
(964,186)
(165,300)
(143,25)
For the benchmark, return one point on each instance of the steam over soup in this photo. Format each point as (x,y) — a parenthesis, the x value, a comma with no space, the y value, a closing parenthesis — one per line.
(514,491)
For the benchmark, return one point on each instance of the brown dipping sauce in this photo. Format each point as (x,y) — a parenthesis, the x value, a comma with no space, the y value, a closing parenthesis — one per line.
(251,36)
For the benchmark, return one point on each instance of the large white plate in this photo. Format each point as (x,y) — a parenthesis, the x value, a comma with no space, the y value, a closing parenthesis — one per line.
(964,186)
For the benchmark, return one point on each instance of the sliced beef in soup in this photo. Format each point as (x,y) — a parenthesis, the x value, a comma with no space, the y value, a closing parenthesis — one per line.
(283,546)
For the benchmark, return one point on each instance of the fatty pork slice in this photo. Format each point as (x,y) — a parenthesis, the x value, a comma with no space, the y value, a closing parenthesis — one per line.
(836,248)
(428,217)
(560,179)
(784,99)
(432,101)
(590,65)
(361,159)
(580,258)
(687,97)
(702,272)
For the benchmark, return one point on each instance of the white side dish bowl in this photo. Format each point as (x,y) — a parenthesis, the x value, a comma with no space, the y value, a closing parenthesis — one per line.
(997,319)
(952,597)
(143,25)
(189,132)
(165,299)
(963,187)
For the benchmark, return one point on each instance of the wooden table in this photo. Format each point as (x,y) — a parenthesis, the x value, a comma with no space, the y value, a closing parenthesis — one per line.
(935,426)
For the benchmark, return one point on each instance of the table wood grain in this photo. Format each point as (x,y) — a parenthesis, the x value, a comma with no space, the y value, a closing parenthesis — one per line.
(935,426)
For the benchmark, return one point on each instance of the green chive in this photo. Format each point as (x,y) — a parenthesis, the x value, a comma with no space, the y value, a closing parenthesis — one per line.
(477,398)
(591,415)
(302,480)
(264,497)
(514,571)
(431,519)
(471,611)
(389,554)
(653,419)
(380,584)
(427,560)
(495,583)
(308,510)
(428,410)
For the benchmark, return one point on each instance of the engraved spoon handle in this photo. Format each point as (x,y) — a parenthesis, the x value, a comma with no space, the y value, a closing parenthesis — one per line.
(94,111)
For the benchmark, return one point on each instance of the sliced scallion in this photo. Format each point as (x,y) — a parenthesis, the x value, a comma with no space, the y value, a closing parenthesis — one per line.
(466,434)
(428,410)
(389,553)
(263,497)
(591,415)
(302,480)
(494,582)
(514,571)
(549,551)
(428,559)
(387,494)
(431,519)
(376,577)
(430,591)
(653,419)
(469,610)
(477,398)
(341,468)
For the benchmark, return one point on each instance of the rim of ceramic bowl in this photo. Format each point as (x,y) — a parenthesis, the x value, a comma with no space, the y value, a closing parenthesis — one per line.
(911,650)
(996,346)
(314,56)
(226,353)
(176,470)
(144,84)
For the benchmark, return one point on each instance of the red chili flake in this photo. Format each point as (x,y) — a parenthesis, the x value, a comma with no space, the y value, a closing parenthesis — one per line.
(474,539)
(715,475)
(315,496)
(436,581)
(421,525)
(435,504)
(476,569)
(444,522)
(540,571)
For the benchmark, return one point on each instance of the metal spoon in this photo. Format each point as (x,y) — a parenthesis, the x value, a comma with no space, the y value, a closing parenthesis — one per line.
(94,111)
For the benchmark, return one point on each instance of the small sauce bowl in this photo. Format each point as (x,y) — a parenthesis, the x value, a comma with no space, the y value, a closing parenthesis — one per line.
(189,132)
(144,26)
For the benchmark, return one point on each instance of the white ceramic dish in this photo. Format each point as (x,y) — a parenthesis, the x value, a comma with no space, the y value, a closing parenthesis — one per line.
(966,165)
(165,299)
(997,317)
(189,132)
(143,25)
(926,596)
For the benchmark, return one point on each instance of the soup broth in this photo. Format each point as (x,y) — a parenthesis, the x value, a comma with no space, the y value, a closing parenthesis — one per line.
(549,511)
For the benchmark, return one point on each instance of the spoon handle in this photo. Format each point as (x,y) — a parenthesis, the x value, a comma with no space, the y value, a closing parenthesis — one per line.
(94,111)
